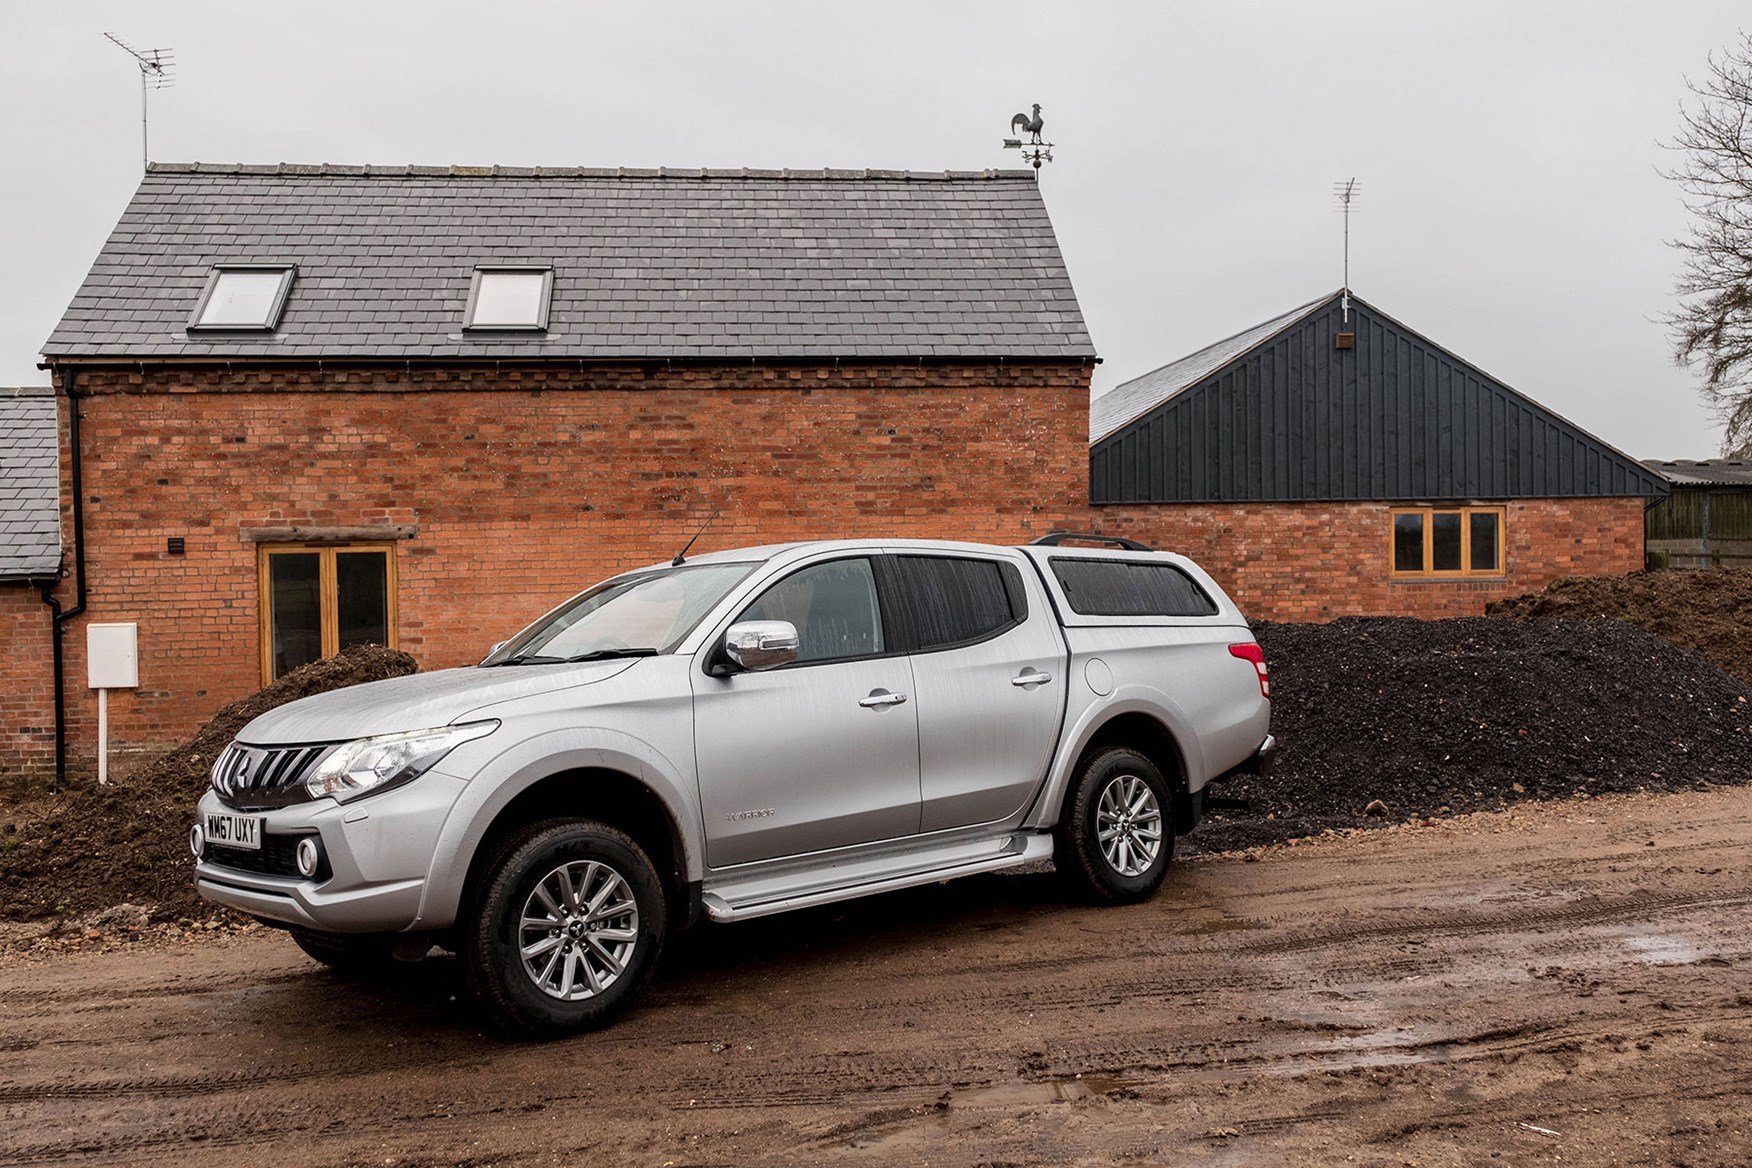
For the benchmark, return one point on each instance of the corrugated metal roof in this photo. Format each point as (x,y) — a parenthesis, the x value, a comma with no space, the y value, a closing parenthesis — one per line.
(1712,472)
(1396,417)
(30,484)
(687,264)
(1132,399)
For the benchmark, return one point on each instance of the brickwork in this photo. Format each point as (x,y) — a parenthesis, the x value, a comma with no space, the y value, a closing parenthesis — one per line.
(27,686)
(518,487)
(504,491)
(1320,561)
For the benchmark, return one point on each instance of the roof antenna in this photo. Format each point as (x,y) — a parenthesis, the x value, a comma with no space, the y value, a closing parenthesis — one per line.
(681,556)
(155,65)
(1346,193)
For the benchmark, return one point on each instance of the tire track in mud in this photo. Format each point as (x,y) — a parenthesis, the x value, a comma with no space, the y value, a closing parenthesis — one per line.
(72,996)
(186,1086)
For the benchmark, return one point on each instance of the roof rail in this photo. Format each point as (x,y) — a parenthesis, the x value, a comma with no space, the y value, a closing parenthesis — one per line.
(1055,538)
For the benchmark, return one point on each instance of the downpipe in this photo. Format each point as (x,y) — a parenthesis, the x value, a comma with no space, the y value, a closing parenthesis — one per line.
(59,616)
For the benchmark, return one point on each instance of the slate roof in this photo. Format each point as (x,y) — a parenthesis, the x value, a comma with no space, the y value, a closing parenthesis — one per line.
(30,484)
(647,263)
(1712,472)
(1132,399)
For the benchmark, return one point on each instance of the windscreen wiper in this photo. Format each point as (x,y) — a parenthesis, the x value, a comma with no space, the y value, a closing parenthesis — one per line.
(606,654)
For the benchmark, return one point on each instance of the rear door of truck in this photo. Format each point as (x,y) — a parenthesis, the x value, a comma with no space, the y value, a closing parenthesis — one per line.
(988,666)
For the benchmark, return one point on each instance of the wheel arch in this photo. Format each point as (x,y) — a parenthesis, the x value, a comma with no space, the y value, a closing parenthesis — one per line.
(1146,722)
(602,794)
(614,779)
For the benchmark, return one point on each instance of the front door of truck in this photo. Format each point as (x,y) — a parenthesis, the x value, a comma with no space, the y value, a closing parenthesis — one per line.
(822,753)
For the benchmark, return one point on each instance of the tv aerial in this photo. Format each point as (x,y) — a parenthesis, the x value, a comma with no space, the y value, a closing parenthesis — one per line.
(1344,194)
(155,72)
(1033,149)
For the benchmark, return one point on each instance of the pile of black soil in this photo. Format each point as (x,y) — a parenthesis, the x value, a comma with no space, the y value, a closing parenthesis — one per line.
(1428,718)
(1709,611)
(93,847)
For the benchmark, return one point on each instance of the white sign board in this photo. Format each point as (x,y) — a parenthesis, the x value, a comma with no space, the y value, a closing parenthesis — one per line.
(112,655)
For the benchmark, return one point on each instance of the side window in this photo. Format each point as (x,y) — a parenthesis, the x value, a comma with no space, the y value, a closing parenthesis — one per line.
(949,601)
(1126,588)
(833,606)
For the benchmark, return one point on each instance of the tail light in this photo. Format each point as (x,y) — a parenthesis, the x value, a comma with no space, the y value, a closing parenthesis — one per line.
(1253,653)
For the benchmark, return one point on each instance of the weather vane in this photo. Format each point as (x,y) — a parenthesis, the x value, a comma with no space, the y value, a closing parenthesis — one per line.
(1033,150)
(155,69)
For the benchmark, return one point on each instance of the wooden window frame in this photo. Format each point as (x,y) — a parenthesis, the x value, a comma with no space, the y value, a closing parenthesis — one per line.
(1467,570)
(328,592)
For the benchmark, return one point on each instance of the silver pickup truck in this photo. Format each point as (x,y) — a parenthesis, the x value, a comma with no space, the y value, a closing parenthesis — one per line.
(738,734)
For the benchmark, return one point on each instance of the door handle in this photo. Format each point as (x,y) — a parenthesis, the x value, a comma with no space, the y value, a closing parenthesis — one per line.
(1031,679)
(881,699)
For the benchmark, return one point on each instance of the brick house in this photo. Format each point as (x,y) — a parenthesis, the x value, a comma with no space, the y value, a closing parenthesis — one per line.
(1333,462)
(312,406)
(30,561)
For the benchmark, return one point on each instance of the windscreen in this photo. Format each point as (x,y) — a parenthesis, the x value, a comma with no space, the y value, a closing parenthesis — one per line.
(647,610)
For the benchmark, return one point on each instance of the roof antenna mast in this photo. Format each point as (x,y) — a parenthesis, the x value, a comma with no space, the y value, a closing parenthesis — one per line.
(1346,193)
(155,69)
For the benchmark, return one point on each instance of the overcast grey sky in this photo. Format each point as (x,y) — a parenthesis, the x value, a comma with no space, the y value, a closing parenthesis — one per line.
(1507,152)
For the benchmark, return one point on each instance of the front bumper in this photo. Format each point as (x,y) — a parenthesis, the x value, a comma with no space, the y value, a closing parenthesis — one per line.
(376,853)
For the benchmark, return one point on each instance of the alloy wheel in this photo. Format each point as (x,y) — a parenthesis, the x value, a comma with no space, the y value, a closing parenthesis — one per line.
(1128,823)
(578,930)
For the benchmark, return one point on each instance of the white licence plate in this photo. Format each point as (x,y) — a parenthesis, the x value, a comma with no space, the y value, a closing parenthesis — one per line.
(234,831)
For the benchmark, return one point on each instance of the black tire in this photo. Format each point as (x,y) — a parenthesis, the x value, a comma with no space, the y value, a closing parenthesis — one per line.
(1115,873)
(348,954)
(582,990)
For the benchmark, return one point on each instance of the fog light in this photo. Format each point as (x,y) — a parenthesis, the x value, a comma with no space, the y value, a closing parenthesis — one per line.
(308,856)
(197,840)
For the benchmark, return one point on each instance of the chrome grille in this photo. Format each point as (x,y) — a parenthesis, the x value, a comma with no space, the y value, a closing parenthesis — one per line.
(256,778)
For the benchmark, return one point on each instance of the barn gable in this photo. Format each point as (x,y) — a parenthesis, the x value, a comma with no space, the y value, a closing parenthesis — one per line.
(1283,413)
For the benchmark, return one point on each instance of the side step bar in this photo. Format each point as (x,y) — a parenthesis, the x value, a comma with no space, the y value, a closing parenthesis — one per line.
(762,897)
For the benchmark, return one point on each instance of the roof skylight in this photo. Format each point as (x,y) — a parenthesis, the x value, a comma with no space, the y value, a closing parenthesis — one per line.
(509,298)
(243,297)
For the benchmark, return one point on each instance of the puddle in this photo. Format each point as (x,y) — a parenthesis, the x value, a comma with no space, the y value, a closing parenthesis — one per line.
(1653,948)
(1369,1050)
(1049,1091)
(1665,950)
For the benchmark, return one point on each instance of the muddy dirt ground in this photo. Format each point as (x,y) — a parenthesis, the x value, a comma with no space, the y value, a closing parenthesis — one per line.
(1556,983)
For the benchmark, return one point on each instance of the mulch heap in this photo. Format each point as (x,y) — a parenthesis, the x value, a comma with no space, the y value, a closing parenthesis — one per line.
(1708,611)
(1425,718)
(94,847)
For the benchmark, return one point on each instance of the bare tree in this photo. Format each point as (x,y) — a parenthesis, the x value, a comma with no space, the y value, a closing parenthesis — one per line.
(1713,326)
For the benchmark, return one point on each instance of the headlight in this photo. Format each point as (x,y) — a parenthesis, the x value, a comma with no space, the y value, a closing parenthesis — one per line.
(389,760)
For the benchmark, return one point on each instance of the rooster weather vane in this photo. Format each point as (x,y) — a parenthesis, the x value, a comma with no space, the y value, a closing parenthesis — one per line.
(1033,150)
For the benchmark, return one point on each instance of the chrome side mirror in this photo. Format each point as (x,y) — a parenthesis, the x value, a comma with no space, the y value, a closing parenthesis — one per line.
(756,645)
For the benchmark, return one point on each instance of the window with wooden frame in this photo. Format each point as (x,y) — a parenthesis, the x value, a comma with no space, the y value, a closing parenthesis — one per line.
(317,599)
(1444,542)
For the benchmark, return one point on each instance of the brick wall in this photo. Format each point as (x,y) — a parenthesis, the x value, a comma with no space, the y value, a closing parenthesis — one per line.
(1319,561)
(521,486)
(27,686)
